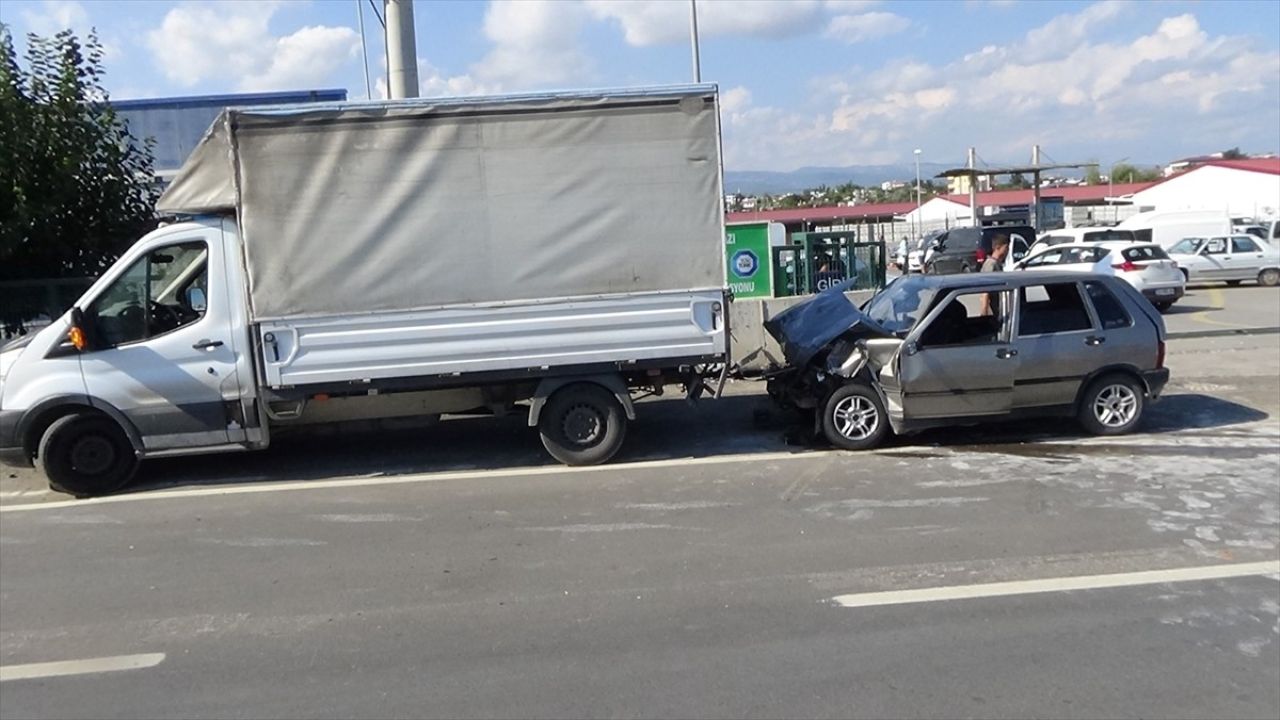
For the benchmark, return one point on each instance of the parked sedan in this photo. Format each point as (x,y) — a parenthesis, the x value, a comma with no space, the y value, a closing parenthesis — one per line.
(921,353)
(1231,259)
(1145,266)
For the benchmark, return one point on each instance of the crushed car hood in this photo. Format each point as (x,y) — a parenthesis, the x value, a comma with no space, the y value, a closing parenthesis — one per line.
(805,329)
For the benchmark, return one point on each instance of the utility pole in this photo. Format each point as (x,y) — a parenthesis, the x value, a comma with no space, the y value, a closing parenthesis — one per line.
(693,38)
(402,50)
(972,164)
(919,220)
(364,51)
(1035,187)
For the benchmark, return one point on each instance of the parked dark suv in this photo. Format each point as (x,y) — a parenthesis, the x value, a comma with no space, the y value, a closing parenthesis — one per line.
(962,250)
(926,352)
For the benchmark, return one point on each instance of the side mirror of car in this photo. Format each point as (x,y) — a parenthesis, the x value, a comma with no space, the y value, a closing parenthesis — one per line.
(910,349)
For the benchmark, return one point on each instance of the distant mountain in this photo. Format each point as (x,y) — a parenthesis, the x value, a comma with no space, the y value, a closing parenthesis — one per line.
(755,182)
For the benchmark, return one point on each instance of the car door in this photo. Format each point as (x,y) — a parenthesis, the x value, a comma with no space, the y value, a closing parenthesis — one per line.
(1058,344)
(958,362)
(1214,261)
(1247,256)
(162,351)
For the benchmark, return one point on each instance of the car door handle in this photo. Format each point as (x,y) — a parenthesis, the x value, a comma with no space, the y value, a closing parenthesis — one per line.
(206,344)
(1094,340)
(1006,353)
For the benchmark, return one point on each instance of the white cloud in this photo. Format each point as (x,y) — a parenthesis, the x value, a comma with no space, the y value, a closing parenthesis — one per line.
(535,44)
(1172,87)
(54,16)
(657,22)
(232,43)
(867,26)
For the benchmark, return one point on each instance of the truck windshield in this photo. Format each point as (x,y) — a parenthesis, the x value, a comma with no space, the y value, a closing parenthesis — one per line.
(901,304)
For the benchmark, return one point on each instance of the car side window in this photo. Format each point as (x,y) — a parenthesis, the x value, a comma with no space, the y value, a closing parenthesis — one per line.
(1244,245)
(1110,310)
(1046,258)
(1216,246)
(1051,308)
(961,322)
(162,291)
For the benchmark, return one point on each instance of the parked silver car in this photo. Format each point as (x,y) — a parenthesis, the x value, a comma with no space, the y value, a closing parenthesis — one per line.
(959,349)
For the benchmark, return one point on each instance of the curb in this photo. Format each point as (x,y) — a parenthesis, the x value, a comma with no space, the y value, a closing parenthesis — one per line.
(1222,333)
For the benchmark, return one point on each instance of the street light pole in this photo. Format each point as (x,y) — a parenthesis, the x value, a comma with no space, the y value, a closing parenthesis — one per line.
(693,38)
(919,220)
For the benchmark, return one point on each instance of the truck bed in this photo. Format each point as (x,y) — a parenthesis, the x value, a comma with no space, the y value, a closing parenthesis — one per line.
(675,326)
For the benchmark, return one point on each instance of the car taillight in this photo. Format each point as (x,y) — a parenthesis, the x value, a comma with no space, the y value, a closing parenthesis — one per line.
(982,255)
(1128,266)
(1160,355)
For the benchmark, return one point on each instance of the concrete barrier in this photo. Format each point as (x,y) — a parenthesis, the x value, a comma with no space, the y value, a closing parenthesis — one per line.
(751,348)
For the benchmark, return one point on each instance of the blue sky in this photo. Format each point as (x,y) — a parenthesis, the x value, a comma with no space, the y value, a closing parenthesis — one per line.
(803,82)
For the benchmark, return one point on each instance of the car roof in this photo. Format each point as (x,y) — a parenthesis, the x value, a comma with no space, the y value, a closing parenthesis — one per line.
(1005,279)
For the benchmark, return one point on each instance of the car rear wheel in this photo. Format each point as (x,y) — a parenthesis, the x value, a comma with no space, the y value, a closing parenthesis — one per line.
(1112,405)
(1269,277)
(854,418)
(85,454)
(1163,306)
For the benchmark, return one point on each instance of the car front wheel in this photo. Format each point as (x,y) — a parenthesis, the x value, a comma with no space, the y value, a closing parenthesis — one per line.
(854,418)
(1269,277)
(1112,405)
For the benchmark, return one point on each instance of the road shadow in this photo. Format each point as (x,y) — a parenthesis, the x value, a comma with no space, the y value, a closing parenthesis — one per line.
(1172,413)
(1184,309)
(663,430)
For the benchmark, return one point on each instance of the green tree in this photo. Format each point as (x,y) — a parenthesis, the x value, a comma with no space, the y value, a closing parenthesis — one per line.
(1233,154)
(75,189)
(1092,176)
(1126,173)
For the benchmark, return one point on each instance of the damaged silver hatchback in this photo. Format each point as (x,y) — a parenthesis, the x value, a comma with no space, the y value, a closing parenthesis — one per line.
(928,351)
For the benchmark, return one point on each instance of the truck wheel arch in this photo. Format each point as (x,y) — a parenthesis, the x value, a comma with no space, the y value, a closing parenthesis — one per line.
(547,386)
(40,416)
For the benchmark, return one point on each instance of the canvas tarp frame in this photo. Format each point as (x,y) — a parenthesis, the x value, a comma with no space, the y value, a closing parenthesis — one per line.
(369,207)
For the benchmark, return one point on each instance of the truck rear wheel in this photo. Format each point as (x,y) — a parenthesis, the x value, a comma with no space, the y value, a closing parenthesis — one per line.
(582,424)
(85,454)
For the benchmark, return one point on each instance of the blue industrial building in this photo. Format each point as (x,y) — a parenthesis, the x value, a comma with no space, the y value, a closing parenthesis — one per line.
(178,123)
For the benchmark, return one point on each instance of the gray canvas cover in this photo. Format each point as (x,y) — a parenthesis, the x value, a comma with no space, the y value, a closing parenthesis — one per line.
(387,206)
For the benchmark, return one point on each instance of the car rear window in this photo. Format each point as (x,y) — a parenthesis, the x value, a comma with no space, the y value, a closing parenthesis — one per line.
(1083,255)
(1145,253)
(1103,235)
(1111,312)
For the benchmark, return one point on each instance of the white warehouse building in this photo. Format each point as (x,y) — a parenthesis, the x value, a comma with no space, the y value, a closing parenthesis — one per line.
(1248,187)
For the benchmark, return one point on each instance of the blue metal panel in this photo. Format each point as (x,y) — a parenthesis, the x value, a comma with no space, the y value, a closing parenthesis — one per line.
(178,123)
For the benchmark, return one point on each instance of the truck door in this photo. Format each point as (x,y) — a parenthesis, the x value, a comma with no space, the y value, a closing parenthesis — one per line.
(161,348)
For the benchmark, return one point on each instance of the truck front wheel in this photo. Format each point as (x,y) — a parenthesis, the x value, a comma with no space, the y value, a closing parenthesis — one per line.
(582,424)
(85,454)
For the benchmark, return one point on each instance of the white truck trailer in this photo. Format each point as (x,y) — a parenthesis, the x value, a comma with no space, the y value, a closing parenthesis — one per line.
(372,260)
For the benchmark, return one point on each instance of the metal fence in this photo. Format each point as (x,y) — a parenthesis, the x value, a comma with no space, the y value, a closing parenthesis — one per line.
(27,305)
(814,267)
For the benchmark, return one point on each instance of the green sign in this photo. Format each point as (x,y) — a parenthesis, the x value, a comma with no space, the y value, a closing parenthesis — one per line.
(746,254)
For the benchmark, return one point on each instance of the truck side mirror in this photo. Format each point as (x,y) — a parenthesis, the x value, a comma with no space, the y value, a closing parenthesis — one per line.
(78,334)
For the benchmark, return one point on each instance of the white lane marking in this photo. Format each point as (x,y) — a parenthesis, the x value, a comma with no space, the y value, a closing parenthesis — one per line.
(1061,584)
(408,479)
(79,667)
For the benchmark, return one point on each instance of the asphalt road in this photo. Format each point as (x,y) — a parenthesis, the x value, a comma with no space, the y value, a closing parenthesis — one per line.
(714,571)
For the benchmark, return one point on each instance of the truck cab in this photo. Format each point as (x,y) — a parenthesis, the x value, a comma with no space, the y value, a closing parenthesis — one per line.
(152,360)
